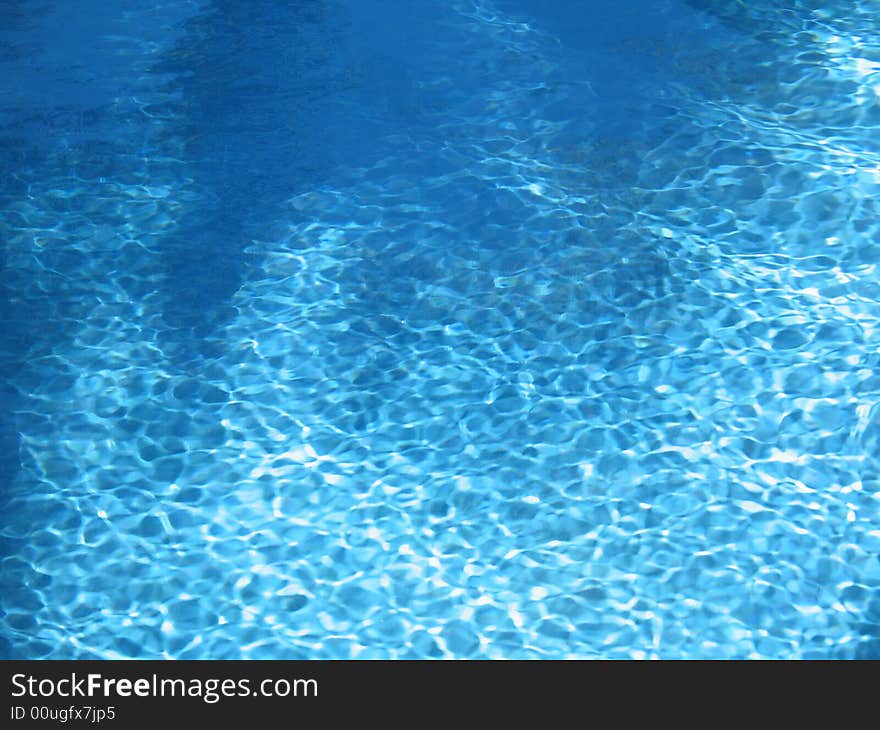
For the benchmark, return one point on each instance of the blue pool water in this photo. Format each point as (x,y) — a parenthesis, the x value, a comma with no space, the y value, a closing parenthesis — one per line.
(440,328)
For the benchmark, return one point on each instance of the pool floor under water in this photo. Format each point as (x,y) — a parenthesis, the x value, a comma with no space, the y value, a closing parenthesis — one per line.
(487,331)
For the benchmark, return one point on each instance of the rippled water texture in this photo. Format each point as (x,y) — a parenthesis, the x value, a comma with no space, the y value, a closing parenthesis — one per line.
(440,329)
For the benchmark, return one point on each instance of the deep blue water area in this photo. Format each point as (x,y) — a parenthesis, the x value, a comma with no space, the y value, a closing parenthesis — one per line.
(462,328)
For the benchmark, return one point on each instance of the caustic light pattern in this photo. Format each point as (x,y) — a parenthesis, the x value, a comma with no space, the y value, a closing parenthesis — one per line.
(494,330)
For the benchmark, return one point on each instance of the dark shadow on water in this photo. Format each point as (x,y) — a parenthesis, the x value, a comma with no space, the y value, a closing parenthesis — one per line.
(15,330)
(273,99)
(253,81)
(13,339)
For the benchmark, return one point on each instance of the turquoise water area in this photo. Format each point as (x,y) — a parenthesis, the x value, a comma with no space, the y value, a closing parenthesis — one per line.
(461,328)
